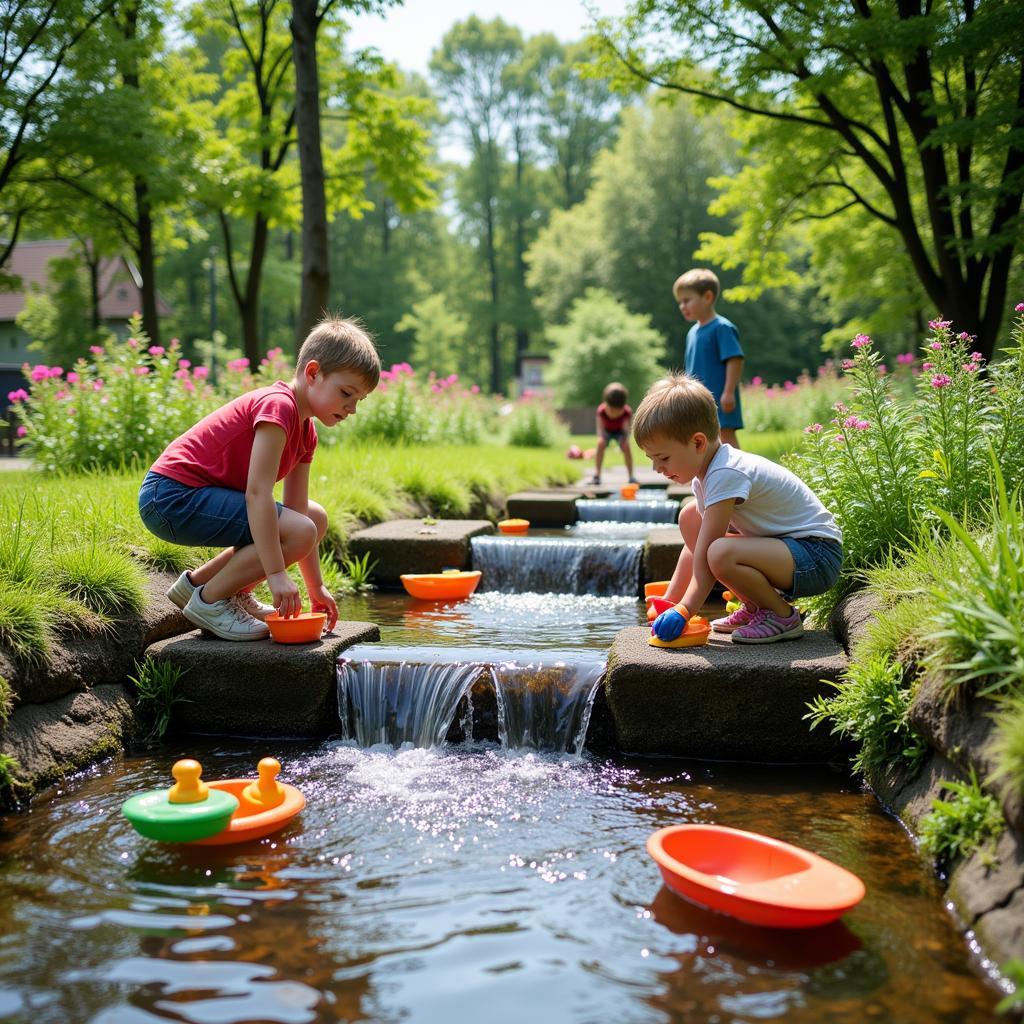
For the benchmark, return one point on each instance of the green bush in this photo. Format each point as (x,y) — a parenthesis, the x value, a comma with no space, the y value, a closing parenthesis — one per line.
(1008,747)
(792,405)
(106,581)
(960,824)
(603,342)
(531,423)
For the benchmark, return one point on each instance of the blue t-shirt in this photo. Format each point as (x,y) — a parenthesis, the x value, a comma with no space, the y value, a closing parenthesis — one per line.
(708,346)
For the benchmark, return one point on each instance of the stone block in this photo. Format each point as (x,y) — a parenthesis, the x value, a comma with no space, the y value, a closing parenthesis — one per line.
(259,689)
(411,545)
(721,701)
(661,553)
(544,508)
(852,616)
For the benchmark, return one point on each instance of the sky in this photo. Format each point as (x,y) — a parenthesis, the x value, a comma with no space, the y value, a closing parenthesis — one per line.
(408,34)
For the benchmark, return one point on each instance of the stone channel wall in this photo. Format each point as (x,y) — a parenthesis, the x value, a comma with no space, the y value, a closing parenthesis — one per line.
(987,887)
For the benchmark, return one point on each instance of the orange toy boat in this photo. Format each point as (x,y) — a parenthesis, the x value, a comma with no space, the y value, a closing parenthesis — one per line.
(696,633)
(514,525)
(753,877)
(441,586)
(264,806)
(656,589)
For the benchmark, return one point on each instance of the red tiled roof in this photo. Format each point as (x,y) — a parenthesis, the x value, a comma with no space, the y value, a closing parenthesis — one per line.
(120,284)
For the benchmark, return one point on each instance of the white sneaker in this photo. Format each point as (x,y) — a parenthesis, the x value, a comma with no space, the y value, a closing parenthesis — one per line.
(224,619)
(181,590)
(248,603)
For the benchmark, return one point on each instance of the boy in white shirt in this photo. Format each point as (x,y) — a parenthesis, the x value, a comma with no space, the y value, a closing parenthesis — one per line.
(784,544)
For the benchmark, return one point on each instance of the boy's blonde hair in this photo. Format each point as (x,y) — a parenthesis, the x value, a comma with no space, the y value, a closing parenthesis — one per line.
(341,343)
(676,407)
(615,395)
(699,281)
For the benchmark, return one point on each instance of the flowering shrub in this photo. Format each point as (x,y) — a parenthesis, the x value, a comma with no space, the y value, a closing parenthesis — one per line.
(405,409)
(883,464)
(790,406)
(125,403)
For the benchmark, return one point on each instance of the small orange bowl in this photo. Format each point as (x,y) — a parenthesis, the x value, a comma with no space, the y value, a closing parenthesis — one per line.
(628,491)
(514,525)
(304,628)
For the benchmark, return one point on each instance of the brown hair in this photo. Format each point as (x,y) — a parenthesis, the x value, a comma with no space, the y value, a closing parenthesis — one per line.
(676,407)
(615,395)
(699,281)
(341,343)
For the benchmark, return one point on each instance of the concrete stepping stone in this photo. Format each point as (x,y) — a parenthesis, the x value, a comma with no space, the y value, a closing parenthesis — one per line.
(543,508)
(413,545)
(260,688)
(661,553)
(720,701)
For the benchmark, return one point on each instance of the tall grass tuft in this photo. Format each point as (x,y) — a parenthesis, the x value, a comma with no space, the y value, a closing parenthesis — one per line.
(105,580)
(26,622)
(1008,746)
(156,685)
(962,823)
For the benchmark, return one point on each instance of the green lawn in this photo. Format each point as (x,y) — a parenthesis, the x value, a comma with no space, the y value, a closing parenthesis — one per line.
(771,444)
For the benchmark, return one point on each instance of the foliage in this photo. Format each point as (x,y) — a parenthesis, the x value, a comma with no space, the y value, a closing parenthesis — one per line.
(792,405)
(871,705)
(9,769)
(106,581)
(978,638)
(359,570)
(884,466)
(906,115)
(960,824)
(532,423)
(602,342)
(439,334)
(1014,1002)
(1008,746)
(6,702)
(157,685)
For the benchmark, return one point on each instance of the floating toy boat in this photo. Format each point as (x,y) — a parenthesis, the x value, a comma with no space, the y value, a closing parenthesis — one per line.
(215,813)
(450,585)
(753,877)
(628,491)
(656,589)
(696,633)
(304,628)
(657,605)
(514,525)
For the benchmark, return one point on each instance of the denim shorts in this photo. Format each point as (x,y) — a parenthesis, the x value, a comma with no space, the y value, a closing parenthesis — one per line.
(817,561)
(194,516)
(614,435)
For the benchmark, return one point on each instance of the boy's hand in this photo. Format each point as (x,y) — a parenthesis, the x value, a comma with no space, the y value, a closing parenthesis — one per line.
(669,625)
(728,401)
(285,594)
(322,600)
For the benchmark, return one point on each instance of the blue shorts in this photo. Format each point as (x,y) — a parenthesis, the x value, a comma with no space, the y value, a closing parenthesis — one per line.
(194,516)
(817,561)
(614,435)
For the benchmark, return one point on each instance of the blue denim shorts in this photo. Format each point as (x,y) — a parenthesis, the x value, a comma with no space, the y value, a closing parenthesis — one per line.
(194,516)
(817,563)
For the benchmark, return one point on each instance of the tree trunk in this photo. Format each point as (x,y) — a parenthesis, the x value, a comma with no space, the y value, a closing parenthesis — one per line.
(146,254)
(316,274)
(522,333)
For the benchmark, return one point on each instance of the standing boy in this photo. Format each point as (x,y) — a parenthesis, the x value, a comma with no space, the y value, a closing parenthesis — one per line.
(713,353)
(214,486)
(612,423)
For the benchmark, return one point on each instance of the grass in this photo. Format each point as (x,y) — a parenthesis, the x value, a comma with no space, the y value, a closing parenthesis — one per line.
(156,686)
(6,701)
(962,823)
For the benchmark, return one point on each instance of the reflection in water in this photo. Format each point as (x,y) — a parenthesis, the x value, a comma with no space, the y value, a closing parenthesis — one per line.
(449,885)
(560,565)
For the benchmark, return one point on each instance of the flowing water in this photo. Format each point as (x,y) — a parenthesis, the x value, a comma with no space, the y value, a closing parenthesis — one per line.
(649,510)
(456,885)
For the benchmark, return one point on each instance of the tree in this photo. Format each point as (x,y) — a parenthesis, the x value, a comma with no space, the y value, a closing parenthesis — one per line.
(439,335)
(910,111)
(602,342)
(471,68)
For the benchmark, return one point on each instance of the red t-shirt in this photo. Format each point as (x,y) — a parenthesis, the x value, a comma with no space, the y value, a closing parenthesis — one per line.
(216,451)
(613,424)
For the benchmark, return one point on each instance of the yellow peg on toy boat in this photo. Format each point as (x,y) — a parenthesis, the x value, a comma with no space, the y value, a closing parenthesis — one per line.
(266,791)
(188,788)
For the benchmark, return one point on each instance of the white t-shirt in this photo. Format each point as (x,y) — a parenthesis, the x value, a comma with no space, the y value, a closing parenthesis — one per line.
(771,501)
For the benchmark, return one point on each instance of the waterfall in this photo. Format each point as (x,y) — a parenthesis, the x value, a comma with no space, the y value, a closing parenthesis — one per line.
(558,565)
(545,706)
(400,700)
(624,511)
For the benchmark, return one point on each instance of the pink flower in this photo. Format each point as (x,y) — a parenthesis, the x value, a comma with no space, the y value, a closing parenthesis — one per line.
(238,365)
(940,380)
(1019,307)
(976,357)
(839,439)
(156,350)
(862,425)
(39,373)
(860,341)
(56,371)
(188,385)
(905,358)
(14,397)
(788,386)
(201,372)
(73,377)
(474,389)
(274,353)
(927,366)
(970,367)
(814,428)
(936,346)
(141,371)
(183,364)
(97,385)
(964,336)
(452,378)
(939,325)
(756,382)
(96,350)
(181,374)
(175,343)
(61,395)
(133,342)
(21,431)
(882,369)
(850,422)
(848,364)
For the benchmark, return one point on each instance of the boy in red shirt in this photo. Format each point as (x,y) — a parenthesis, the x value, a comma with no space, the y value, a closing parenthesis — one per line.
(214,485)
(613,419)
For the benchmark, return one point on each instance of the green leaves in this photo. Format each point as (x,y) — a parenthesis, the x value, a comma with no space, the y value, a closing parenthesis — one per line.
(962,823)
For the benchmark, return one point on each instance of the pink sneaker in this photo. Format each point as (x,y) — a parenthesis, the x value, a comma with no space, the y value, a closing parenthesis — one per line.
(743,616)
(766,627)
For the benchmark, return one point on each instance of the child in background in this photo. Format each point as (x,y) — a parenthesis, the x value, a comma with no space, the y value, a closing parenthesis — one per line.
(613,418)
(785,544)
(713,353)
(214,485)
